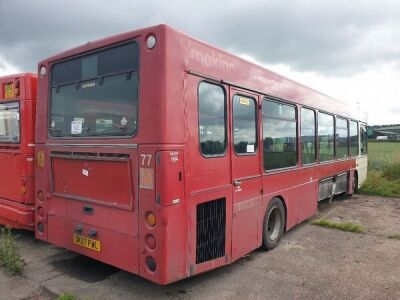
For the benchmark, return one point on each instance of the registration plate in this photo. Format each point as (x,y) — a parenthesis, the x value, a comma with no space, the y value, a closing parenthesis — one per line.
(87,242)
(9,91)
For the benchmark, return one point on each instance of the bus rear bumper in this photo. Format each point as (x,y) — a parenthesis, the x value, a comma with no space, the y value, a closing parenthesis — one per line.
(17,215)
(115,248)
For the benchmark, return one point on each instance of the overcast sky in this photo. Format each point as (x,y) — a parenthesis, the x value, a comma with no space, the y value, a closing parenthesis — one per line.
(347,49)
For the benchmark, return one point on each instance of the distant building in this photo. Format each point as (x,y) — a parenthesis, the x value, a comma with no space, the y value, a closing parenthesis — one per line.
(384,132)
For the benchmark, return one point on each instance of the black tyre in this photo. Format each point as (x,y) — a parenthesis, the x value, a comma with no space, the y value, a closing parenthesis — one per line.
(274,224)
(354,184)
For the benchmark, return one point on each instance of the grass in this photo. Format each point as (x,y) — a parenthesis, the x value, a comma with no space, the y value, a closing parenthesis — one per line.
(66,296)
(378,184)
(395,237)
(347,226)
(383,170)
(10,258)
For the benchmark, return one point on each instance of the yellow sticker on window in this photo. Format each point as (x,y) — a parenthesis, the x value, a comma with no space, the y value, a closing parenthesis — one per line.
(9,91)
(244,101)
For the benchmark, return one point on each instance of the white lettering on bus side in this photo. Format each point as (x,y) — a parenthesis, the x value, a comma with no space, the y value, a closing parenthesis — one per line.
(212,59)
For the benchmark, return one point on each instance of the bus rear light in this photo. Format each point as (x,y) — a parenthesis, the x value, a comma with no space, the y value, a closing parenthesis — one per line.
(40,195)
(151,264)
(151,241)
(40,227)
(40,211)
(151,219)
(42,71)
(22,190)
(16,88)
(151,42)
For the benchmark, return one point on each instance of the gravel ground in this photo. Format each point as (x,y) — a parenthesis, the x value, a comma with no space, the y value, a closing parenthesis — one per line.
(310,263)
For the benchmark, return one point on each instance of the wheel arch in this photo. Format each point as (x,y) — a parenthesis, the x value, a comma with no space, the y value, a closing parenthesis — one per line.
(282,199)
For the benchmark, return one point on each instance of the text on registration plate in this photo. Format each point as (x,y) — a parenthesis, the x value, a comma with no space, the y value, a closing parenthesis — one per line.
(87,242)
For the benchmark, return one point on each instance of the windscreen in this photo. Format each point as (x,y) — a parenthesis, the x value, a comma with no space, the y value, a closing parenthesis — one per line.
(96,94)
(9,122)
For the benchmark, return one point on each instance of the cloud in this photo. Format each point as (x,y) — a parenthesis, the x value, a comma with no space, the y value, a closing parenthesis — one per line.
(348,49)
(6,68)
(340,37)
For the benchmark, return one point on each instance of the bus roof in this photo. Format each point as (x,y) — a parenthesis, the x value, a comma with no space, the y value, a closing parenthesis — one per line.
(204,59)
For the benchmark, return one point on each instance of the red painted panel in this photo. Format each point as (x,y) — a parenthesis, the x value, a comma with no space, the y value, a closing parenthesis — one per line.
(10,183)
(196,199)
(118,249)
(16,215)
(16,159)
(171,229)
(100,181)
(169,178)
(247,194)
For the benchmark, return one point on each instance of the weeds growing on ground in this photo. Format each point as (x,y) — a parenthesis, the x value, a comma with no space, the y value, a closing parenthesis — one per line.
(378,184)
(66,296)
(392,172)
(348,226)
(395,237)
(10,257)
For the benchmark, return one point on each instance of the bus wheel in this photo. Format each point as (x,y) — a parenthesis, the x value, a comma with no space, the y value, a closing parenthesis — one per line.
(274,223)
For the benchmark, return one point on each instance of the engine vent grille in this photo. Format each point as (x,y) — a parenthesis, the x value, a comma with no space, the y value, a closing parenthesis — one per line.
(211,220)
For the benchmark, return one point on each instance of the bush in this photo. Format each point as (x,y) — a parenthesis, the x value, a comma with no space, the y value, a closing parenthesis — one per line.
(392,172)
(9,252)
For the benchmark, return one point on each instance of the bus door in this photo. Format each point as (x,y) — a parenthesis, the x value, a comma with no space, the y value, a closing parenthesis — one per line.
(246,178)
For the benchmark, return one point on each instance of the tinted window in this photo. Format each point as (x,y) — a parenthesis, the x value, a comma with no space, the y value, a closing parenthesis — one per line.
(353,138)
(364,138)
(342,141)
(326,137)
(244,125)
(96,94)
(212,129)
(9,123)
(113,60)
(279,135)
(308,148)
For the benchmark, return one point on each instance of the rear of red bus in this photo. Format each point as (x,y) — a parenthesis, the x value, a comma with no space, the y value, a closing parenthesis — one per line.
(17,148)
(102,156)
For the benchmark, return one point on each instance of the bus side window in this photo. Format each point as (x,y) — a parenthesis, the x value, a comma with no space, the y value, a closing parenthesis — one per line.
(244,124)
(342,138)
(212,119)
(326,137)
(353,138)
(279,135)
(308,143)
(363,133)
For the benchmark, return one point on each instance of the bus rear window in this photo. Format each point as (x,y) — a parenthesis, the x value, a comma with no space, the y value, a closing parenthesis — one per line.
(96,94)
(9,123)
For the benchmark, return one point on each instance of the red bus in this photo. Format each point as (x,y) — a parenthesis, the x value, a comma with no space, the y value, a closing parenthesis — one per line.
(167,157)
(17,150)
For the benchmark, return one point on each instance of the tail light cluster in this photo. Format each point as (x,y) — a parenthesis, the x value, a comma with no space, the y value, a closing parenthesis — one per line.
(40,211)
(150,240)
(17,88)
(22,188)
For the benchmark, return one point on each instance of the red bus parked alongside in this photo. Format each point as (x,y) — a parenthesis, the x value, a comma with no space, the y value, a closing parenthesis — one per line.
(167,157)
(17,150)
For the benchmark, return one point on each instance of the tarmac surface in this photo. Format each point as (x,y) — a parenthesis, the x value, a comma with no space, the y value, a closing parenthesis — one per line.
(311,262)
